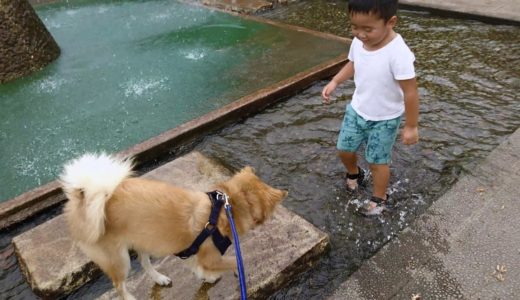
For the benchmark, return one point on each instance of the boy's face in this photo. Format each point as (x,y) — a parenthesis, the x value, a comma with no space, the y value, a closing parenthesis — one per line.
(371,29)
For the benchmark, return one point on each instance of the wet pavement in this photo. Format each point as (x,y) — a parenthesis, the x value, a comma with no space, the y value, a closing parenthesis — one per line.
(463,249)
(505,10)
(465,246)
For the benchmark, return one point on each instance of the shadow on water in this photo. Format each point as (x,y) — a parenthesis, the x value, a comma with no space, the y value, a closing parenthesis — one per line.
(468,76)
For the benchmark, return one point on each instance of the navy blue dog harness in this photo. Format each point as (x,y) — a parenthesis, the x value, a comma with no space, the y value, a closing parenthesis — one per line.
(221,242)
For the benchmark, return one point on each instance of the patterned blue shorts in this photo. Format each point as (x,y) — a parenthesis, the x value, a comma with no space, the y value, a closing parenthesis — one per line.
(379,136)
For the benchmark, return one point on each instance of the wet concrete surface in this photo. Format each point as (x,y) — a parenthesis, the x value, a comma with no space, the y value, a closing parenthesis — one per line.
(240,6)
(506,10)
(465,246)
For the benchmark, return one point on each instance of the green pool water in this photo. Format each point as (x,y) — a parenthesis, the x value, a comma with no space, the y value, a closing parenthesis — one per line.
(130,70)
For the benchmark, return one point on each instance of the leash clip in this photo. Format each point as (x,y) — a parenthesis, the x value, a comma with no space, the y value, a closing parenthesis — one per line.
(223,197)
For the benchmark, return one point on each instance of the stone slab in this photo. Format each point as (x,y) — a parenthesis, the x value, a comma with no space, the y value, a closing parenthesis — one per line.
(273,253)
(466,245)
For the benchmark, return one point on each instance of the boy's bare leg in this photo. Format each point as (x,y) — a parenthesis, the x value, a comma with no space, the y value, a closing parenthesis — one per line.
(349,160)
(381,177)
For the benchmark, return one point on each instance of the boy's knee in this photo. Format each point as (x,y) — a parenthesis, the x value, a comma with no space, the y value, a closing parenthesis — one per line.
(346,154)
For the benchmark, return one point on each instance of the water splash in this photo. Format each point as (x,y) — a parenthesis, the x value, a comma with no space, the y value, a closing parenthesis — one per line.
(72,12)
(162,16)
(194,55)
(140,87)
(103,9)
(50,85)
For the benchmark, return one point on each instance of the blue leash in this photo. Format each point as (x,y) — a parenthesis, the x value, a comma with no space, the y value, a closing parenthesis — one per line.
(241,276)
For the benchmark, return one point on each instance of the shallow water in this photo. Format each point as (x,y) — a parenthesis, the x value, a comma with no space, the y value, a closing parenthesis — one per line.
(468,75)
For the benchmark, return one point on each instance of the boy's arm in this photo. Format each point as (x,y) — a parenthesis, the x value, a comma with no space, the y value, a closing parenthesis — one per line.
(410,133)
(344,74)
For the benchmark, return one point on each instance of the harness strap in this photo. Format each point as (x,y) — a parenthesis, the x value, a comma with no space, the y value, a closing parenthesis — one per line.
(220,241)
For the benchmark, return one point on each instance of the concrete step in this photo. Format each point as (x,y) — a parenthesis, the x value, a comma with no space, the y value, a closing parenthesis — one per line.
(272,253)
(508,10)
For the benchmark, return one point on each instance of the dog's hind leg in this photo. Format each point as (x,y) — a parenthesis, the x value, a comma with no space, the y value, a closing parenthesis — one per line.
(159,278)
(115,262)
(119,269)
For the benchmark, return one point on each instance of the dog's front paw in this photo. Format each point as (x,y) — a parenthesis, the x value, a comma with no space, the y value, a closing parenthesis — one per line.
(162,280)
(212,278)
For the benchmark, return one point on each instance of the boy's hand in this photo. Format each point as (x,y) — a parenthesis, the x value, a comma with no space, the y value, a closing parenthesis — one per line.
(327,90)
(410,135)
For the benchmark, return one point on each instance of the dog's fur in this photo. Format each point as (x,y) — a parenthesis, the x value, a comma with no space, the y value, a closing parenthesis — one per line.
(110,212)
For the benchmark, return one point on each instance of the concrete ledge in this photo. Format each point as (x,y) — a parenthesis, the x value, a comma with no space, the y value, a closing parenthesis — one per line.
(240,6)
(496,11)
(466,246)
(273,253)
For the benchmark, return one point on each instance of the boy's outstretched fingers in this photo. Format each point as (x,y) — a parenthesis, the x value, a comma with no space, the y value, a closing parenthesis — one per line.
(325,100)
(327,90)
(325,96)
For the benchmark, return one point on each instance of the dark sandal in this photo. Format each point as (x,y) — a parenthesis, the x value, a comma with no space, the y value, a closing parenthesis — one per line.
(368,210)
(360,177)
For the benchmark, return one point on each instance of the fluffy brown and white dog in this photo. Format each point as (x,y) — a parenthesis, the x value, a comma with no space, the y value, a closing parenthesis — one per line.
(110,212)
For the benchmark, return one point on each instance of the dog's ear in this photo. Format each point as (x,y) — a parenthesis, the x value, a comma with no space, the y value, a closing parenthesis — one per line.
(278,195)
(249,169)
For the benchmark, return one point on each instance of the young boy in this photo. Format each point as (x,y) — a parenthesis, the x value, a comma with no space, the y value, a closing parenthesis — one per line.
(382,66)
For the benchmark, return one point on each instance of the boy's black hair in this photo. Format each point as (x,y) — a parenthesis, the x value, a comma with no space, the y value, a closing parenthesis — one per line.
(384,8)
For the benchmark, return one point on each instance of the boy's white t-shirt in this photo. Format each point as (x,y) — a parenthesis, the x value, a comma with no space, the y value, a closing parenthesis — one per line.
(378,95)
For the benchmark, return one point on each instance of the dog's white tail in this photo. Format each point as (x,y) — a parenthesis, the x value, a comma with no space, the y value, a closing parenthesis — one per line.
(89,181)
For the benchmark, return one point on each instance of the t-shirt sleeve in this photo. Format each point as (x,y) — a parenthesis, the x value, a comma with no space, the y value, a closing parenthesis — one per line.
(351,50)
(402,64)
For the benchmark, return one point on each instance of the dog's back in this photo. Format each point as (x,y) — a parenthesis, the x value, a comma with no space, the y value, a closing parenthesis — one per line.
(108,206)
(154,216)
